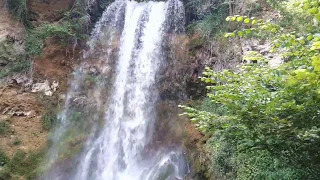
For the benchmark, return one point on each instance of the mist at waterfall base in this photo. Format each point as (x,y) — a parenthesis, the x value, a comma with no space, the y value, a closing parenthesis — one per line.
(108,122)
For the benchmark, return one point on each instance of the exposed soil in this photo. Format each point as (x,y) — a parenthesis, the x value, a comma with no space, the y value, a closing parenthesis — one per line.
(22,110)
(195,139)
(49,10)
(23,114)
(55,64)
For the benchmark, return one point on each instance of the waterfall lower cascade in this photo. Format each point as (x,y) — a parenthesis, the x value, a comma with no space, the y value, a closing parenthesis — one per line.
(119,145)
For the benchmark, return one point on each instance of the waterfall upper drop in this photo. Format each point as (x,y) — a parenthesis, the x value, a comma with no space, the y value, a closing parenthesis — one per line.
(119,145)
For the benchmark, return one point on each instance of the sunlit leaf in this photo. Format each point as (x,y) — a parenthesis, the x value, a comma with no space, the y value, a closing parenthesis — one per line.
(247,20)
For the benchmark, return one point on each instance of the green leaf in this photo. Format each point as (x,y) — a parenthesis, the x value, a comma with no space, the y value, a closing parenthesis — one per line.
(306,6)
(317,17)
(313,10)
(240,33)
(240,18)
(247,20)
(296,4)
(310,37)
(315,4)
(248,31)
(254,22)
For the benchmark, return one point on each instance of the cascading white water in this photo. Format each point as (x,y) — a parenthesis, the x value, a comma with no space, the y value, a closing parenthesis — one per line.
(119,150)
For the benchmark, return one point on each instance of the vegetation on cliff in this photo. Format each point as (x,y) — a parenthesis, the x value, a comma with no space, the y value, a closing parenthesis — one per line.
(70,29)
(263,121)
(19,157)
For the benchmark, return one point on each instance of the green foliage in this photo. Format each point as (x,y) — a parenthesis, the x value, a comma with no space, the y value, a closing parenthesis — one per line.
(213,23)
(49,120)
(25,164)
(20,10)
(251,27)
(271,115)
(261,165)
(15,62)
(3,158)
(34,42)
(21,164)
(207,16)
(69,30)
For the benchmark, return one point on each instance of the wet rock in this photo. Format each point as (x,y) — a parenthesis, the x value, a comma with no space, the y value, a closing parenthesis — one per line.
(79,101)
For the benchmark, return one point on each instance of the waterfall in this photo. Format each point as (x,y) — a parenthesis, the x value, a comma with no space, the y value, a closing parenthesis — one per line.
(130,36)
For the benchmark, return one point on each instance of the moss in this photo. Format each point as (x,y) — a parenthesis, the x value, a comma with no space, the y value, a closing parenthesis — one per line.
(22,164)
(3,158)
(4,128)
(49,120)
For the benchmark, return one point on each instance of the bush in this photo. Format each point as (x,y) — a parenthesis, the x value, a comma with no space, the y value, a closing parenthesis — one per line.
(207,17)
(213,23)
(16,67)
(271,115)
(262,165)
(49,120)
(22,164)
(73,27)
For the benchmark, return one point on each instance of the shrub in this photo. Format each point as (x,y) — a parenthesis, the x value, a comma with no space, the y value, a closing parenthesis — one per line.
(49,120)
(22,164)
(213,23)
(73,27)
(15,67)
(206,17)
(34,42)
(271,115)
(262,165)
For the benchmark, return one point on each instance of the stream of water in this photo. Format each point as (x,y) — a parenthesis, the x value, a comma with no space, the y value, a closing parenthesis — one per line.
(119,150)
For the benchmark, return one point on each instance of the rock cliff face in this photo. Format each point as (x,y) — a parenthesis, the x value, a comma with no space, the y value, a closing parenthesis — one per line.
(49,10)
(26,98)
(20,120)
